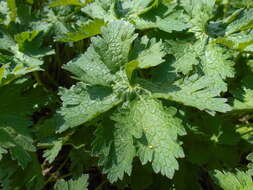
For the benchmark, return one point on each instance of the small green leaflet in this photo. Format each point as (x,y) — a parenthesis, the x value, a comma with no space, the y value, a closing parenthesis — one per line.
(246,132)
(65,3)
(20,57)
(51,154)
(217,66)
(101,9)
(238,34)
(85,30)
(242,23)
(186,54)
(134,8)
(145,54)
(114,45)
(241,41)
(81,183)
(90,68)
(200,11)
(164,17)
(232,181)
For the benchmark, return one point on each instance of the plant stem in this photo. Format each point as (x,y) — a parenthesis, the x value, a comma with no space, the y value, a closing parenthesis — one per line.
(54,175)
(37,78)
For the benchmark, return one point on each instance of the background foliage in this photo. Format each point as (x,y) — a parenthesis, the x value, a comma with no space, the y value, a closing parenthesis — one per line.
(126,94)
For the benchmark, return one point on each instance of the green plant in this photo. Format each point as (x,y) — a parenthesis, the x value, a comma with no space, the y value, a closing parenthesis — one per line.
(126,94)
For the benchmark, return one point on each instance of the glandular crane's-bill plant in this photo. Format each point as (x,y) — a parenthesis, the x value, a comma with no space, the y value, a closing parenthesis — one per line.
(126,94)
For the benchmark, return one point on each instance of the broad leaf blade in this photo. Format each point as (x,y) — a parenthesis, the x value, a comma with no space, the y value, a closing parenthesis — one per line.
(82,103)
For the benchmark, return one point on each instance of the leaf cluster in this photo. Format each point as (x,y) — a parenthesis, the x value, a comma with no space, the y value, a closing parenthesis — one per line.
(126,94)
